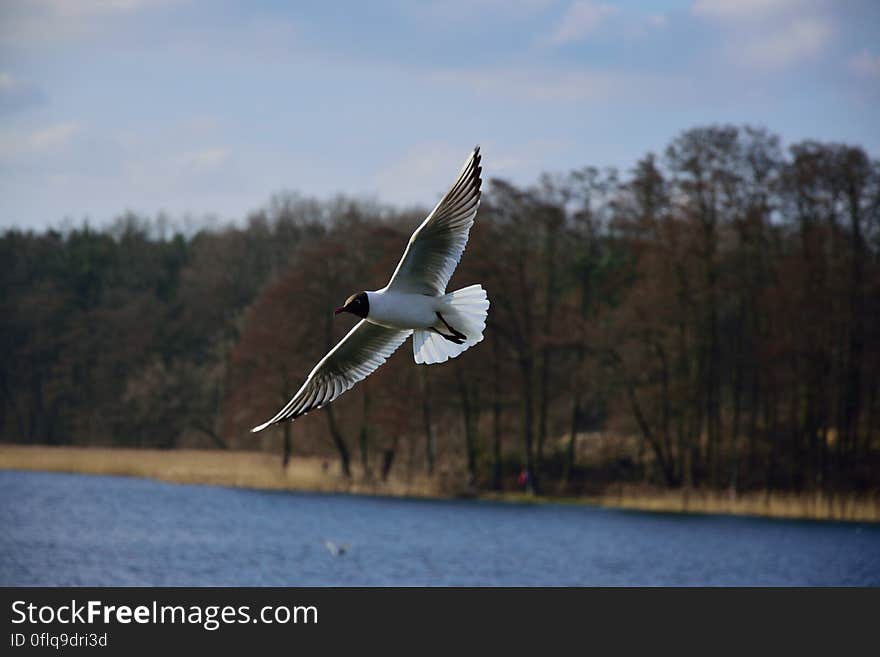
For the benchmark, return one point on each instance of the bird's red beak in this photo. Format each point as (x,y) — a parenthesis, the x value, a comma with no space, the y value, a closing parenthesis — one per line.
(341,309)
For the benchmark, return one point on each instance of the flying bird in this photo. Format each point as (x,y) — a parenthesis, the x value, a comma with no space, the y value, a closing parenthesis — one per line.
(414,303)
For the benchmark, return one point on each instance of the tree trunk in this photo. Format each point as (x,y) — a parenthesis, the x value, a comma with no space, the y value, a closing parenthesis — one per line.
(387,462)
(553,222)
(647,433)
(543,401)
(496,417)
(338,442)
(468,412)
(365,436)
(527,371)
(210,433)
(285,459)
(426,417)
(856,345)
(570,452)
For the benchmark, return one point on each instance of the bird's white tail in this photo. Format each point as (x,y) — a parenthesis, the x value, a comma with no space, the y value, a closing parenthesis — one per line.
(465,311)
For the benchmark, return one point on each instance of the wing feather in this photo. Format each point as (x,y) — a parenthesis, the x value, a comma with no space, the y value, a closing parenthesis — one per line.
(360,353)
(436,246)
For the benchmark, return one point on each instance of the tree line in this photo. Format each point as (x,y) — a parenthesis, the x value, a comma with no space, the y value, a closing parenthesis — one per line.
(709,318)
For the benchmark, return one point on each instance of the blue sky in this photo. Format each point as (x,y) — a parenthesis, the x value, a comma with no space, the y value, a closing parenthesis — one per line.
(211,107)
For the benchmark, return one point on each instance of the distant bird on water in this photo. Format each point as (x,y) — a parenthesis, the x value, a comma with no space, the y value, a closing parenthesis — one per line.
(414,303)
(336,550)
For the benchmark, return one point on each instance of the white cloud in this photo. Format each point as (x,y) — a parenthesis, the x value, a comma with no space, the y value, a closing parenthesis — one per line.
(53,136)
(520,7)
(421,175)
(555,86)
(45,139)
(743,9)
(7,82)
(204,161)
(160,168)
(17,94)
(802,39)
(770,34)
(459,11)
(582,19)
(37,22)
(524,160)
(94,7)
(866,64)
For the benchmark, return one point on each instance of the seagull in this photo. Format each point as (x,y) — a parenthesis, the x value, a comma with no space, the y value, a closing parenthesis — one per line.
(414,303)
(336,550)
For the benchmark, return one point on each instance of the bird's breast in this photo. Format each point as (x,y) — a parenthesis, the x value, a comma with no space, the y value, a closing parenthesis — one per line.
(401,310)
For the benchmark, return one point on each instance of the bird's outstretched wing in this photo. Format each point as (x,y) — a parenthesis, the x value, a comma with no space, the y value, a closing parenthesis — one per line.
(436,246)
(357,355)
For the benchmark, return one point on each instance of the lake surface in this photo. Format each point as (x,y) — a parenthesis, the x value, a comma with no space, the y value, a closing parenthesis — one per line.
(83,530)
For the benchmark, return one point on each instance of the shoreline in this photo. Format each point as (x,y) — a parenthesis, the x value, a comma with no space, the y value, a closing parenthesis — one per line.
(262,471)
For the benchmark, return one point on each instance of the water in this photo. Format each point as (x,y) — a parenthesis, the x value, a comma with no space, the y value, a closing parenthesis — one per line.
(61,529)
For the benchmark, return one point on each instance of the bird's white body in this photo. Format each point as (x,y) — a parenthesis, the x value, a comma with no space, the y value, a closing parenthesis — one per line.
(404,310)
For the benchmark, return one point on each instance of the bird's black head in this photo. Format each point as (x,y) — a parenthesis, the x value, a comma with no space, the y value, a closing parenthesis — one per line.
(356,304)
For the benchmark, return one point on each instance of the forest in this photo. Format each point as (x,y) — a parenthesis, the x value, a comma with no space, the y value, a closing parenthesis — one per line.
(708,319)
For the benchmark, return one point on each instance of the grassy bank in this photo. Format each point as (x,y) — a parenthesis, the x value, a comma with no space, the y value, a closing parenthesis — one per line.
(211,467)
(261,470)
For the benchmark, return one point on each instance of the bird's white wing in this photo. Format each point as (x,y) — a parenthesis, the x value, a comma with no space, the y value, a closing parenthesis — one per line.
(358,354)
(436,246)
